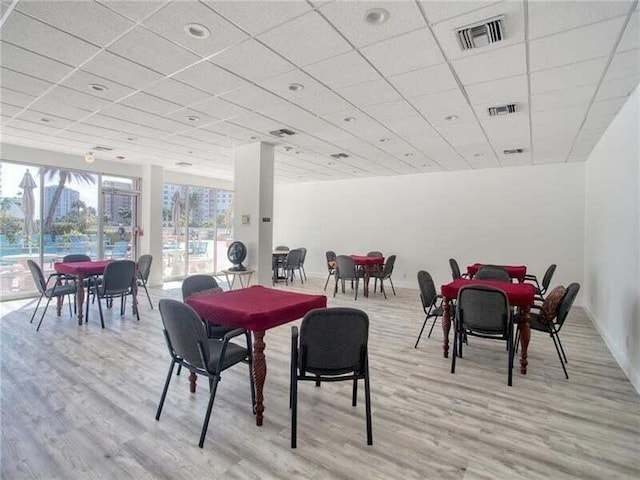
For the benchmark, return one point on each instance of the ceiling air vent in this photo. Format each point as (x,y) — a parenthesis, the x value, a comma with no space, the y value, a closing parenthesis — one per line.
(512,151)
(339,155)
(502,110)
(481,34)
(102,149)
(283,132)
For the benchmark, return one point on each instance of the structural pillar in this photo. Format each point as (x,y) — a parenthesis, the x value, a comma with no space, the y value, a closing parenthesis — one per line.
(253,206)
(151,220)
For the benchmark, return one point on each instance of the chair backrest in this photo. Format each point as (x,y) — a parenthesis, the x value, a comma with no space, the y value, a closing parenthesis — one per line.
(375,253)
(304,255)
(197,283)
(388,266)
(546,279)
(293,258)
(282,248)
(483,309)
(144,266)
(76,257)
(345,267)
(118,277)
(184,330)
(38,277)
(567,302)
(455,269)
(492,272)
(427,289)
(333,341)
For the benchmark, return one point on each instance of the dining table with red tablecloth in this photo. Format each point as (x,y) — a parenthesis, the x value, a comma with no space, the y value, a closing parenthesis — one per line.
(81,271)
(520,295)
(514,271)
(367,263)
(257,309)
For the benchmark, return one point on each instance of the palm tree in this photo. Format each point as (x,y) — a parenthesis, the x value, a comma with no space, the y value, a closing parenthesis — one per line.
(63,176)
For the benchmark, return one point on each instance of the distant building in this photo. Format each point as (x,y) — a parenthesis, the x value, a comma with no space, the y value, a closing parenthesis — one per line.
(65,203)
(114,203)
(212,202)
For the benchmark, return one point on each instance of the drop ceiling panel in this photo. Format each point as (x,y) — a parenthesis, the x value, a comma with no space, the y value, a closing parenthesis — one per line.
(315,40)
(76,99)
(586,140)
(151,104)
(348,17)
(9,110)
(82,81)
(624,64)
(343,70)
(39,128)
(29,63)
(256,17)
(370,93)
(437,107)
(144,47)
(562,98)
(500,91)
(437,78)
(37,117)
(36,36)
(55,106)
(15,98)
(192,118)
(390,110)
(631,37)
(462,134)
(405,53)
(411,126)
(210,78)
(177,92)
(91,130)
(172,20)
(492,65)
(133,10)
(218,108)
(252,61)
(513,12)
(620,87)
(255,121)
(89,21)
(548,18)
(568,76)
(478,155)
(438,10)
(121,70)
(324,104)
(23,83)
(280,85)
(581,44)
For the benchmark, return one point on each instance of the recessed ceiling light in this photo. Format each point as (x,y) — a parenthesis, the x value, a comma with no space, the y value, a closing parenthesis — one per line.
(376,16)
(384,140)
(192,118)
(96,87)
(350,119)
(331,163)
(408,155)
(46,120)
(89,158)
(296,87)
(190,152)
(197,31)
(479,154)
(451,118)
(298,152)
(287,148)
(120,157)
(184,164)
(131,139)
(253,138)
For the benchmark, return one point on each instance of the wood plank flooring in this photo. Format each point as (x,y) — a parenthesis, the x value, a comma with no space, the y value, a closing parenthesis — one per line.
(78,402)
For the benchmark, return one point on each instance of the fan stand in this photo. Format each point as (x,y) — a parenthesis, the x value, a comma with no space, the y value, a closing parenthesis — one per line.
(238,268)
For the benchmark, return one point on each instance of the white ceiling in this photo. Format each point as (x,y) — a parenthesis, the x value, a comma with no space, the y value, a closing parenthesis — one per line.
(568,66)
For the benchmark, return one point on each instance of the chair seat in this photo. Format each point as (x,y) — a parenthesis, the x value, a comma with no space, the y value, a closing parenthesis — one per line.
(534,322)
(233,355)
(60,290)
(218,331)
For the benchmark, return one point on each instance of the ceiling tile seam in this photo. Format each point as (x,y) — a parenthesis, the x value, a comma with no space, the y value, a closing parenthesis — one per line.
(527,55)
(462,90)
(137,22)
(586,25)
(7,12)
(601,81)
(363,112)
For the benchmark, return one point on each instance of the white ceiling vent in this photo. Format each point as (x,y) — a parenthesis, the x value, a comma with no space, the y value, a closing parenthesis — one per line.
(481,34)
(283,132)
(512,151)
(502,110)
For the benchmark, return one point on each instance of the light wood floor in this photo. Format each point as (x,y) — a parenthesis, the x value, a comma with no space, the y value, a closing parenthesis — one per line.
(79,402)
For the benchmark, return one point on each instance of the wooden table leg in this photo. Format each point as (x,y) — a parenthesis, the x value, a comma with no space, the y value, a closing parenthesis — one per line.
(192,381)
(259,373)
(525,336)
(80,297)
(60,301)
(367,276)
(446,325)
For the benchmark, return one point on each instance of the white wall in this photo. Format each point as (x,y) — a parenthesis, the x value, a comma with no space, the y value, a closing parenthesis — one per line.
(518,215)
(612,238)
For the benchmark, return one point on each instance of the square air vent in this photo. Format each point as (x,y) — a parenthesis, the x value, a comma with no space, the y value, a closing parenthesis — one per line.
(512,151)
(337,156)
(481,34)
(283,132)
(502,110)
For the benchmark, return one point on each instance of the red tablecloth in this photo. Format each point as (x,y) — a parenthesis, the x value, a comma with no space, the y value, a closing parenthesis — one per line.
(256,308)
(365,260)
(519,294)
(81,268)
(514,271)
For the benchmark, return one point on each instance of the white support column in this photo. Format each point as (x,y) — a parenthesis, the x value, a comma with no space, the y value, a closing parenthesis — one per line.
(151,219)
(253,206)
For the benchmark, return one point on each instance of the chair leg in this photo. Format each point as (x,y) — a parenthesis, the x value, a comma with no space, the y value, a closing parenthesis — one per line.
(357,288)
(421,330)
(179,370)
(354,400)
(326,283)
(294,407)
(392,287)
(510,354)
(69,302)
(566,375)
(367,402)
(432,325)
(517,341)
(455,349)
(43,313)
(166,387)
(135,305)
(564,355)
(144,285)
(100,310)
(36,309)
(335,290)
(251,380)
(212,396)
(382,288)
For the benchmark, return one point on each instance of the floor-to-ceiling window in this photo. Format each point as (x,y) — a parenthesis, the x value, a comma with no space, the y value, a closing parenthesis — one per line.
(48,212)
(197,228)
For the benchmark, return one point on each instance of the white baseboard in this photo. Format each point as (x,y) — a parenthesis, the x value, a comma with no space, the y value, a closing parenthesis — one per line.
(632,374)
